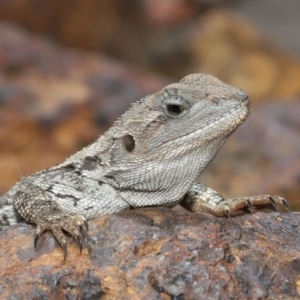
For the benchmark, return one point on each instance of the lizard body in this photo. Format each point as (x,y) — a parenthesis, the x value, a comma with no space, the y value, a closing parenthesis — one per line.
(151,156)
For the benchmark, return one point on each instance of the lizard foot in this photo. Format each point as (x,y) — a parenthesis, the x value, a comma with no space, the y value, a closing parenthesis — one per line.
(237,206)
(75,225)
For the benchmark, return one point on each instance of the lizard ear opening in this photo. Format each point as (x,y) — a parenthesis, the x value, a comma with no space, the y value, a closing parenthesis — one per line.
(129,143)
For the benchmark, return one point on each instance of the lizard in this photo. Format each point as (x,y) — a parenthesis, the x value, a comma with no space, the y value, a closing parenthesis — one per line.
(151,156)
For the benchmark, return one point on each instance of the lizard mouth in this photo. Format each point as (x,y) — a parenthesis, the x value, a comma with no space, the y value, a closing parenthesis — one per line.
(228,128)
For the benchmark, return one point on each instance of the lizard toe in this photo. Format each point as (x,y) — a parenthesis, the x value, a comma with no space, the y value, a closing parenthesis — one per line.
(75,225)
(77,228)
(277,200)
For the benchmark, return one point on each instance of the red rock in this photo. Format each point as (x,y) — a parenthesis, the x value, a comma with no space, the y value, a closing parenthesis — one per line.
(156,253)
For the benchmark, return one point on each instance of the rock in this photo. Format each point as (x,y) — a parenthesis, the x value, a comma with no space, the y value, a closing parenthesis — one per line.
(157,253)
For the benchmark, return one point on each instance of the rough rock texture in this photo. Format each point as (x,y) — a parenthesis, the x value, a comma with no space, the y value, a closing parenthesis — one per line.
(156,253)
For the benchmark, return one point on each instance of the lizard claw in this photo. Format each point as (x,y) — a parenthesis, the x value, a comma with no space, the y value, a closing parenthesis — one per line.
(273,202)
(85,228)
(250,205)
(36,237)
(75,225)
(237,206)
(286,205)
(227,212)
(80,240)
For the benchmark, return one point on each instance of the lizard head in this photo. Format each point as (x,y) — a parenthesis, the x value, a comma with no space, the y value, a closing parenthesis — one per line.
(188,114)
(176,132)
(200,108)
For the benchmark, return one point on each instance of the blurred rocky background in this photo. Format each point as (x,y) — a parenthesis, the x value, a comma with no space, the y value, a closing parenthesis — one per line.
(69,68)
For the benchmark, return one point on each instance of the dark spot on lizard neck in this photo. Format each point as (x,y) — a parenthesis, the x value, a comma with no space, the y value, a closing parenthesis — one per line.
(90,163)
(69,168)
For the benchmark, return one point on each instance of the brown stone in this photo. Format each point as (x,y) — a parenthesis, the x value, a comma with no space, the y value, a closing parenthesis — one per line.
(156,253)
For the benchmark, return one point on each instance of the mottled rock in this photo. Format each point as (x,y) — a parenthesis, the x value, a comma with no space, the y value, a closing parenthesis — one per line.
(157,253)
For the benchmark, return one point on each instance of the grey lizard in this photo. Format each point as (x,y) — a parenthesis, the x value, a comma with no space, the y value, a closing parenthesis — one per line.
(151,156)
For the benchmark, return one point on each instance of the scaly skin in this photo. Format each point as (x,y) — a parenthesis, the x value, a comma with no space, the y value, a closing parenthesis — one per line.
(151,156)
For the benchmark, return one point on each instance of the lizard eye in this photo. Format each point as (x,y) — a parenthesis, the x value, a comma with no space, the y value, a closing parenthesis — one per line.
(175,106)
(175,109)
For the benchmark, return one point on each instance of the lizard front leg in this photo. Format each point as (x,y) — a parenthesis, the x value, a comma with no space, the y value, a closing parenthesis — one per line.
(200,198)
(64,204)
(37,206)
